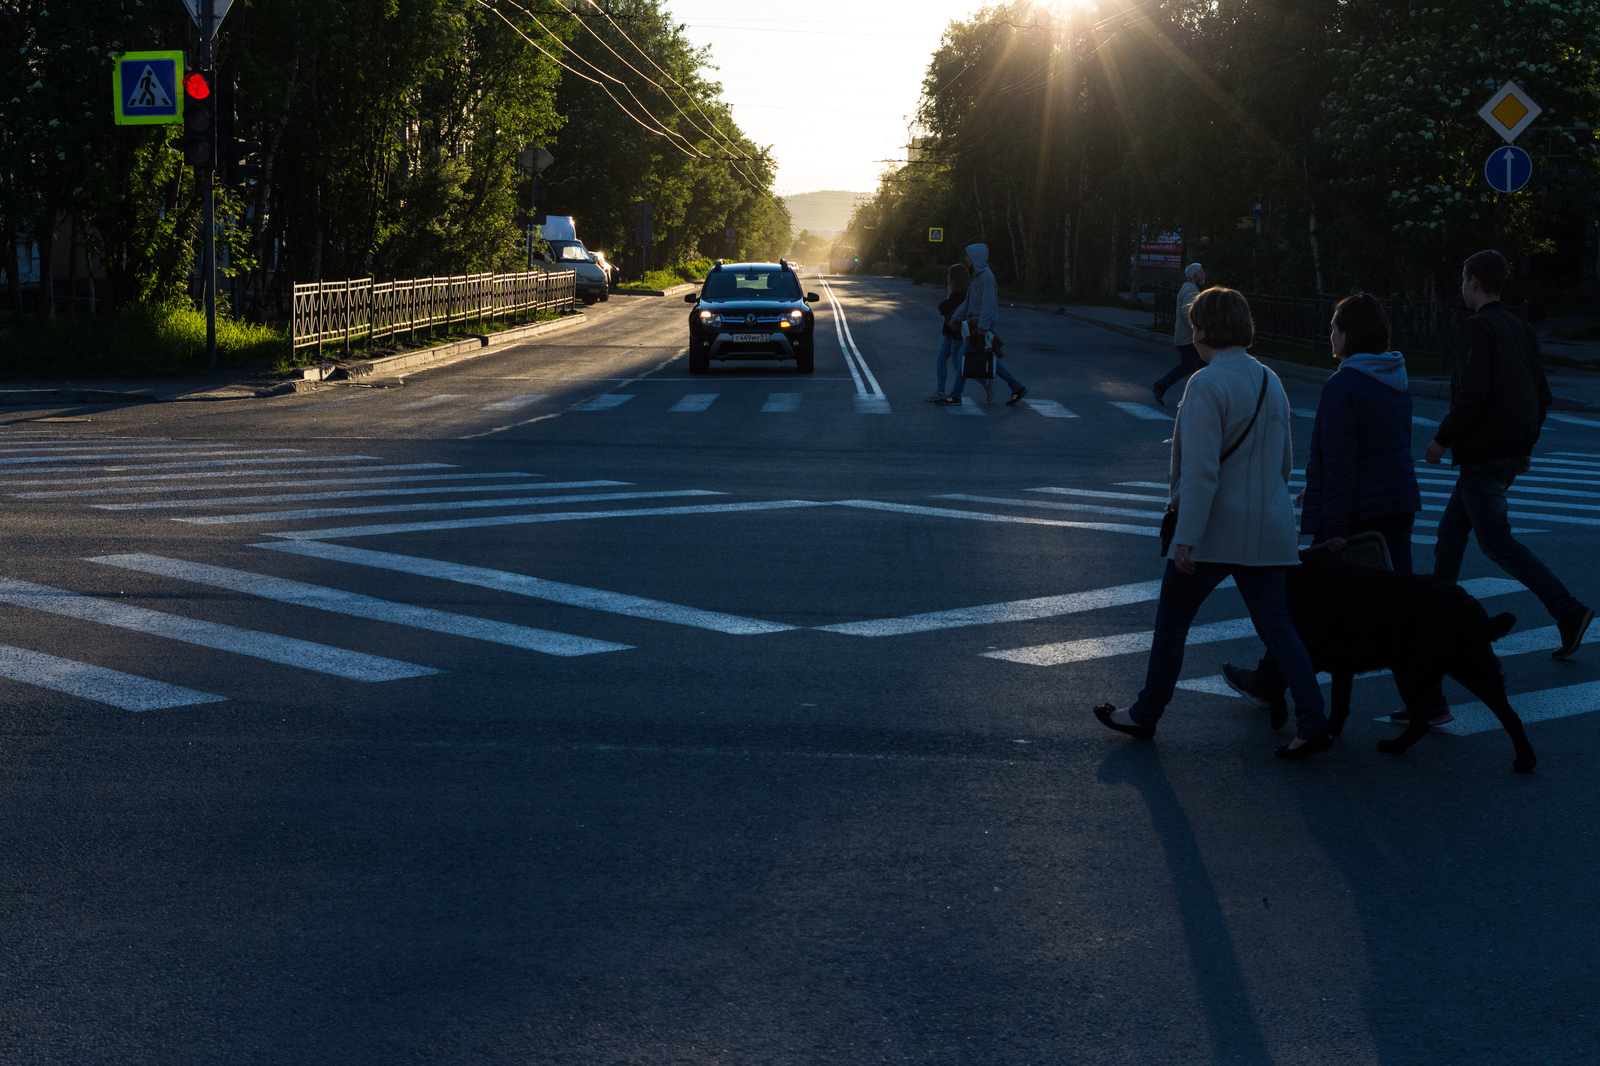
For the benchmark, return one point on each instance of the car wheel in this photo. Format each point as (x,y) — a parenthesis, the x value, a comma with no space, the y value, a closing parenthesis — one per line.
(805,359)
(588,301)
(605,296)
(699,362)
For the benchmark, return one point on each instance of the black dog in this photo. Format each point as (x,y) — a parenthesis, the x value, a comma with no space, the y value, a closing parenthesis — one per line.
(1353,619)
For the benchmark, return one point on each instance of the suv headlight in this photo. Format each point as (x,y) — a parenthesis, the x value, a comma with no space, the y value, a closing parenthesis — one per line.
(796,317)
(710,320)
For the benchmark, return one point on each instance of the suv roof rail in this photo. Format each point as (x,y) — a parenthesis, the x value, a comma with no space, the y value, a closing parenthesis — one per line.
(717,267)
(783,264)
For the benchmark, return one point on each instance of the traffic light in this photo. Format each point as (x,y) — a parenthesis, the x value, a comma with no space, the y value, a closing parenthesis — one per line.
(200,119)
(231,150)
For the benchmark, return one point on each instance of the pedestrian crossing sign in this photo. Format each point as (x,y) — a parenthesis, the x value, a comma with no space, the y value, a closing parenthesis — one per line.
(144,88)
(936,234)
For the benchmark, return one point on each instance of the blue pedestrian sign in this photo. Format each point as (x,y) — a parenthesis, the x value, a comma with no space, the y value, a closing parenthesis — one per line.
(145,88)
(1508,168)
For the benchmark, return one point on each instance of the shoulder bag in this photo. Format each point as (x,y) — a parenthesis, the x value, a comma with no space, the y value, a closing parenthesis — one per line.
(1169,521)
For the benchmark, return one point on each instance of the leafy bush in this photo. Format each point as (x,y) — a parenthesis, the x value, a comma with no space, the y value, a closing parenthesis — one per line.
(664,279)
(142,338)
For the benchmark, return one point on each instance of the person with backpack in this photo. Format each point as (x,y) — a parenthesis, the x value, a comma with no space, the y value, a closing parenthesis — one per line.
(1230,516)
(979,311)
(955,293)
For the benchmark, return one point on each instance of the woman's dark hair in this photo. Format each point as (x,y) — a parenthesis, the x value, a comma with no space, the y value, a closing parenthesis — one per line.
(956,279)
(1363,322)
(1223,317)
(1491,270)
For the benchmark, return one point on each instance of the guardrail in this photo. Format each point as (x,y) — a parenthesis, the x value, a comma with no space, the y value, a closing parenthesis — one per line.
(336,312)
(1423,329)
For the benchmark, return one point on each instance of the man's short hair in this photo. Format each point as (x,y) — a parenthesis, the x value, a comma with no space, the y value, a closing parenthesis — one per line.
(1491,270)
(1191,270)
(1221,319)
(1364,323)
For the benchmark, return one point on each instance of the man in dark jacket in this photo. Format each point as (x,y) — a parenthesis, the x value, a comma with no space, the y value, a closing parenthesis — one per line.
(1498,399)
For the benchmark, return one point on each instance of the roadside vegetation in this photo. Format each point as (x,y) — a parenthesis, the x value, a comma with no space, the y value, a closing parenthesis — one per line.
(140,338)
(661,279)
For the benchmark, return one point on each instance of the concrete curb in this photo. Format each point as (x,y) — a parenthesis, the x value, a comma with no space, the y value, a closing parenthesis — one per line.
(454,352)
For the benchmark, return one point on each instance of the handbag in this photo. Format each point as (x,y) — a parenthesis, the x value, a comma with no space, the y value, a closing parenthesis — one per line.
(977,365)
(1363,549)
(1169,521)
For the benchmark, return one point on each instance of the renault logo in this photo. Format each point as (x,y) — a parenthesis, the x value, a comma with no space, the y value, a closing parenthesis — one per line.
(750,318)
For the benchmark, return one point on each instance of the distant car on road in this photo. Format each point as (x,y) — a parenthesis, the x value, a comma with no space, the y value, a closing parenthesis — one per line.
(751,311)
(612,271)
(572,255)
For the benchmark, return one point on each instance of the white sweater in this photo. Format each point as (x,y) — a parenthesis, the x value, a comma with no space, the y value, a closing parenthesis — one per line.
(1238,512)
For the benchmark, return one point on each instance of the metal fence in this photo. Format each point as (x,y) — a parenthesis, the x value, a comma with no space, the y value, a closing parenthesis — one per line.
(337,312)
(1417,329)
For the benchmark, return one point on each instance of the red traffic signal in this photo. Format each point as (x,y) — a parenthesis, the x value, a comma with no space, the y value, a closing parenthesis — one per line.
(196,86)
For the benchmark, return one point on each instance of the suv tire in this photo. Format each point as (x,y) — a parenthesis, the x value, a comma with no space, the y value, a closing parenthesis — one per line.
(805,359)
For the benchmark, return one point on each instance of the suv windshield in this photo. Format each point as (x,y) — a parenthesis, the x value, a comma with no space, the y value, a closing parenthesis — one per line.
(569,250)
(751,285)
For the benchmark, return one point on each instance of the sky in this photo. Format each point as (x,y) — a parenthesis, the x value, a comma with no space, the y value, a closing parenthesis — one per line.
(831,87)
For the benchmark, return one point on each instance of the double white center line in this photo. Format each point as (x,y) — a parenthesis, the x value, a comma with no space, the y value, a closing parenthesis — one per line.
(869,394)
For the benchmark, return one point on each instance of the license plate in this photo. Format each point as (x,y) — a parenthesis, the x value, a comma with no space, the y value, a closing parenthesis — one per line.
(758,338)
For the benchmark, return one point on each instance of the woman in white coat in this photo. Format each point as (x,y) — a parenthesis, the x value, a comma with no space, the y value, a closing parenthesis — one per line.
(1231,460)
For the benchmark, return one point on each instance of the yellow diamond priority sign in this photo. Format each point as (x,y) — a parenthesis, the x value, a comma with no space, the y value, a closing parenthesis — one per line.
(1510,111)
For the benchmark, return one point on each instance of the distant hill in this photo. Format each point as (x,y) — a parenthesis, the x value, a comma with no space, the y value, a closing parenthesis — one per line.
(826,212)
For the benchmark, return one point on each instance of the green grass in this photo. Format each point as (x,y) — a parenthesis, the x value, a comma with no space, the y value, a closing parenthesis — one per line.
(142,339)
(657,280)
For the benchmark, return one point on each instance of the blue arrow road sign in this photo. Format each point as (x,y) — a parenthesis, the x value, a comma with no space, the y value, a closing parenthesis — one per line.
(1508,168)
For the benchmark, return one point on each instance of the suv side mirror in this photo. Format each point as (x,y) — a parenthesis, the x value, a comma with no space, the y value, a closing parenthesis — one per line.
(691,297)
(812,297)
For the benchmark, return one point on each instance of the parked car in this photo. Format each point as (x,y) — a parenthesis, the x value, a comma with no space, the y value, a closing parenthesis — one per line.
(613,272)
(751,311)
(593,283)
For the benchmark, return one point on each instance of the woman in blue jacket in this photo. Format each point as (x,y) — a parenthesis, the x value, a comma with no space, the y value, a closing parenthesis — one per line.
(1360,474)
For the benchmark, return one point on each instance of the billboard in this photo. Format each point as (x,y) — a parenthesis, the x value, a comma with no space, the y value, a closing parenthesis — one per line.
(1166,252)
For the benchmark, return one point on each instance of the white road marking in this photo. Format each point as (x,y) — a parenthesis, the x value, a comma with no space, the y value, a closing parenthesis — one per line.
(1073,651)
(1086,508)
(1570,520)
(128,444)
(985,516)
(448,505)
(291,651)
(866,384)
(342,532)
(782,401)
(28,460)
(1418,420)
(694,401)
(366,394)
(536,588)
(111,687)
(429,401)
(995,613)
(1540,705)
(126,490)
(1520,487)
(1579,455)
(120,479)
(1049,408)
(1520,501)
(1139,410)
(291,497)
(1098,495)
(605,402)
(210,463)
(338,601)
(969,406)
(1572,420)
(515,403)
(869,404)
(1162,485)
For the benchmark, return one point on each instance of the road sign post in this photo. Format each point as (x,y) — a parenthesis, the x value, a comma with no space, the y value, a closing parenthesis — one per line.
(208,192)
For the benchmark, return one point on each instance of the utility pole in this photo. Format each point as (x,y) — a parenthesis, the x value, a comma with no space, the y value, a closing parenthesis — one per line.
(208,193)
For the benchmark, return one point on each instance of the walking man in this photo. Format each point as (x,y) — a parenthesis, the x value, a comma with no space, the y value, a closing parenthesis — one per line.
(1498,399)
(979,310)
(1194,279)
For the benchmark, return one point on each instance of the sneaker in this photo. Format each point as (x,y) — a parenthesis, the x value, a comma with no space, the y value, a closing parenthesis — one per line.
(1404,718)
(1016,394)
(1244,683)
(948,401)
(933,398)
(988,391)
(1158,392)
(1572,631)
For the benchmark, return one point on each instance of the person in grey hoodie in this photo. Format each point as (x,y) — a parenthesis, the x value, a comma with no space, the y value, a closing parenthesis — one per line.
(979,311)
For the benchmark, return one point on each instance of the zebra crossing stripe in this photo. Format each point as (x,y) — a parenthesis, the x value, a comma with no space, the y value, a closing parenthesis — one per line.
(24,460)
(126,490)
(127,444)
(515,403)
(111,687)
(386,529)
(347,494)
(987,516)
(1095,494)
(605,402)
(429,401)
(995,613)
(694,401)
(1540,705)
(141,478)
(1075,651)
(968,406)
(210,463)
(291,651)
(302,594)
(1571,420)
(1139,410)
(781,401)
(1049,408)
(452,505)
(536,588)
(1087,508)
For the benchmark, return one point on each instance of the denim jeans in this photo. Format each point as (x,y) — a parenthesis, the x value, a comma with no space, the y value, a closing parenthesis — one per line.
(949,348)
(1478,505)
(1188,363)
(973,343)
(1263,590)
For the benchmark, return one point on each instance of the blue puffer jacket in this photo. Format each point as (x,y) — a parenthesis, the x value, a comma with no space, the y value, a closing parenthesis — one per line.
(1360,467)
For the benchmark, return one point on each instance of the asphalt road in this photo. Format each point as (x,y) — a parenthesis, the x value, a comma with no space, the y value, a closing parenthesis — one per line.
(561,707)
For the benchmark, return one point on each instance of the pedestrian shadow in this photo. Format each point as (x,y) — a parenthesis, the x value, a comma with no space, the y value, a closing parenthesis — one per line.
(1230,1021)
